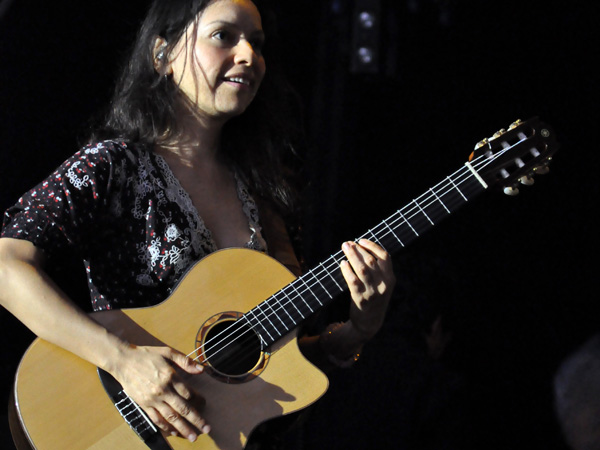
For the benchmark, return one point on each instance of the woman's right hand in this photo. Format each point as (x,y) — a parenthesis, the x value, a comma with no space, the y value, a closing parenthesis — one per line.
(152,377)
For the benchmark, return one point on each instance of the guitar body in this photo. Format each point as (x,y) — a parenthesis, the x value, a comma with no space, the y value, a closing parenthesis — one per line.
(61,402)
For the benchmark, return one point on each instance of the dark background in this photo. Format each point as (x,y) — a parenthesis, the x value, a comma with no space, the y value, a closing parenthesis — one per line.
(513,278)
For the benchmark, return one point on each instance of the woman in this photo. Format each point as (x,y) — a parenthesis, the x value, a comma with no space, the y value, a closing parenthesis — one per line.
(191,166)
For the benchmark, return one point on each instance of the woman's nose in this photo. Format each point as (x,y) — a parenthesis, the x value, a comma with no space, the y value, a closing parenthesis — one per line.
(244,53)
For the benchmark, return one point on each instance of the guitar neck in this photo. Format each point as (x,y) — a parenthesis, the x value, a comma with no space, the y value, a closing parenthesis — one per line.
(508,158)
(284,311)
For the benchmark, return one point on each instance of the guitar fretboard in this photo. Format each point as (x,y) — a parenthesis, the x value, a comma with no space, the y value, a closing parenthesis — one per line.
(288,308)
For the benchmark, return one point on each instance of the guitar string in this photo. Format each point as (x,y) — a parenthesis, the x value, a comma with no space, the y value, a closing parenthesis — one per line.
(376,234)
(326,270)
(478,163)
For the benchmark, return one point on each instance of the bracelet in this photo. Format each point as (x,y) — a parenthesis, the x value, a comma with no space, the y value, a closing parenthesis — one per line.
(324,340)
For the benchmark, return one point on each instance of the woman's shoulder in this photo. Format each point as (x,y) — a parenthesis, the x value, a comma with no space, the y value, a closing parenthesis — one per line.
(112,150)
(101,162)
(106,155)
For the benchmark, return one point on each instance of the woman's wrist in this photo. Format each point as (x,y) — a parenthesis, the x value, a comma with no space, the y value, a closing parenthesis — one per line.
(360,333)
(117,352)
(341,343)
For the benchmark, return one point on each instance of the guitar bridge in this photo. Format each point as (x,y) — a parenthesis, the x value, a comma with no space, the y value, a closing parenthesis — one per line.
(133,415)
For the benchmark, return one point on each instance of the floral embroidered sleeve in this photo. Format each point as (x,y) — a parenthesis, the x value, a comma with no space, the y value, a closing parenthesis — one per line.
(66,208)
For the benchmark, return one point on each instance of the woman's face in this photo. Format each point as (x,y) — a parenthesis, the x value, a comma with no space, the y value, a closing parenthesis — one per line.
(220,68)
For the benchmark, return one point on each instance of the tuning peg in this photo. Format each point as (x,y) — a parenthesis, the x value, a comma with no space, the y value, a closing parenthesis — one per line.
(515,124)
(511,191)
(527,180)
(497,134)
(481,143)
(542,170)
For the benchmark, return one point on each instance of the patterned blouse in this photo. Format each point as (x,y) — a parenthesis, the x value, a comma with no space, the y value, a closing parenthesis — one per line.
(123,211)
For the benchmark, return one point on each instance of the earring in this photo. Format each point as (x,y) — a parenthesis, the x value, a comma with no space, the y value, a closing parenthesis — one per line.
(161,62)
(160,52)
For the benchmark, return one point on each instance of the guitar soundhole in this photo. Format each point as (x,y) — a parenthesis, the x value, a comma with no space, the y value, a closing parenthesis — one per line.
(232,349)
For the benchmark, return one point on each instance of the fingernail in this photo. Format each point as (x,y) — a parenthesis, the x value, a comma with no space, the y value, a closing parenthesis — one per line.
(346,246)
(192,437)
(206,429)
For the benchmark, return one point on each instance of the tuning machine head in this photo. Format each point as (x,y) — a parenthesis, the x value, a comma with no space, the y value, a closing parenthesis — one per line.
(542,169)
(482,143)
(515,124)
(527,180)
(497,134)
(486,141)
(514,155)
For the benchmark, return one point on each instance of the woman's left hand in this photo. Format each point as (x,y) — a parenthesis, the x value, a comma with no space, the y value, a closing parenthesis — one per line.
(371,280)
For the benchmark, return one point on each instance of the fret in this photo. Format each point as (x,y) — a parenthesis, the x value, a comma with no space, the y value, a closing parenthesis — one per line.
(320,284)
(258,322)
(301,279)
(247,319)
(301,298)
(285,309)
(273,327)
(375,238)
(440,201)
(457,189)
(408,223)
(293,304)
(423,212)
(393,234)
(331,276)
(275,313)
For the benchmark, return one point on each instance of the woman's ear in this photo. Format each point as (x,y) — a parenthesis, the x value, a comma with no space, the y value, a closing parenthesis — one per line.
(162,65)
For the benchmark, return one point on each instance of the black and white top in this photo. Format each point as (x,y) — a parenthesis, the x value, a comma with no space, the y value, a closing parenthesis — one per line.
(133,225)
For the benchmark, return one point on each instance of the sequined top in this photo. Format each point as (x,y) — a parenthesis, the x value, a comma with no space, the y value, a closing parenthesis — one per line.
(126,215)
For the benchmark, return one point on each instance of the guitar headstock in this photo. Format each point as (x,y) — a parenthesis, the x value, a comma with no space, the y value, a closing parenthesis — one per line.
(514,156)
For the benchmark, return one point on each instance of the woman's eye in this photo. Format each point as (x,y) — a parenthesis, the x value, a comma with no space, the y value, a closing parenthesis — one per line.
(222,35)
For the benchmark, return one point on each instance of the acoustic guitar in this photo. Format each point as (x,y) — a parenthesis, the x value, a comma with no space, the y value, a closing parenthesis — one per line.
(243,331)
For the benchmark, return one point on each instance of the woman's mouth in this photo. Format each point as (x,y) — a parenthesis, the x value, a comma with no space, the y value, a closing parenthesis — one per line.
(239,80)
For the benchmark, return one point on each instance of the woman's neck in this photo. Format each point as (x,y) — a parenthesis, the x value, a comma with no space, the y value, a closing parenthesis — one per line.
(197,141)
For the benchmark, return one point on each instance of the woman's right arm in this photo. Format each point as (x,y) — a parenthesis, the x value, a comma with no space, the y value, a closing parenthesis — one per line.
(146,373)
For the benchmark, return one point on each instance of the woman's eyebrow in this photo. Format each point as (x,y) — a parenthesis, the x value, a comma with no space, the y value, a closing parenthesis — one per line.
(255,32)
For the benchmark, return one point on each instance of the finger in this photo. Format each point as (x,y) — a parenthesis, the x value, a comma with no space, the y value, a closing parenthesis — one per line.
(362,261)
(168,418)
(176,415)
(384,260)
(355,285)
(183,419)
(183,362)
(188,394)
(178,424)
(378,251)
(158,420)
(186,410)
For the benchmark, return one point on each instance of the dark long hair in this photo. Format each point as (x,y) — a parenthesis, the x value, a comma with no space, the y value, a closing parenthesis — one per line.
(261,143)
